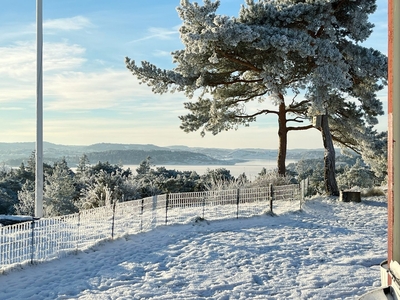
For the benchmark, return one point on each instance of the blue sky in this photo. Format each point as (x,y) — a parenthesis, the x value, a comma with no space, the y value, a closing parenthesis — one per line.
(89,95)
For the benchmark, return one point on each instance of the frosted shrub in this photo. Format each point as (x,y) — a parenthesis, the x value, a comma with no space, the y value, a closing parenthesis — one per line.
(107,188)
(274,178)
(374,191)
(231,184)
(221,179)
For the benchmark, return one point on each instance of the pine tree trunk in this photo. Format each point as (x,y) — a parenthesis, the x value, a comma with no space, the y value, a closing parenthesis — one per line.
(282,133)
(331,187)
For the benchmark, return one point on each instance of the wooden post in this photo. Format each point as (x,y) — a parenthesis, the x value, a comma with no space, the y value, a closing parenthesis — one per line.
(141,215)
(32,241)
(237,203)
(166,208)
(271,200)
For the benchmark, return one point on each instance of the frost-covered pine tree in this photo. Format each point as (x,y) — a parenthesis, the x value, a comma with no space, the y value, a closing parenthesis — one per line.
(301,55)
(106,188)
(59,191)
(26,199)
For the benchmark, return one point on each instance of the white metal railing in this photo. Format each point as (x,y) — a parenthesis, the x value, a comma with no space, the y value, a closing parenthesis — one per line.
(49,238)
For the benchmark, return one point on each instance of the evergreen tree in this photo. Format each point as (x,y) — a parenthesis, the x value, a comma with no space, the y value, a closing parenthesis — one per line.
(144,167)
(26,197)
(104,189)
(59,191)
(357,175)
(83,165)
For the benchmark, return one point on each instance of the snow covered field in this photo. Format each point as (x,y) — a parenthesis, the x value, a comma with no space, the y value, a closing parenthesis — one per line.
(330,250)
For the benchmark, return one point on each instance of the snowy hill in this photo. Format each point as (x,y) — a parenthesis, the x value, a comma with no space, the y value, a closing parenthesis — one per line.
(129,154)
(329,250)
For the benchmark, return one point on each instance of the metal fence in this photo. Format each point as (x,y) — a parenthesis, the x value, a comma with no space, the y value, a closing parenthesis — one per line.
(49,238)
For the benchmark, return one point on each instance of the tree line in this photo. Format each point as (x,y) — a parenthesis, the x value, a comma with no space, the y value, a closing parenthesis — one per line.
(96,185)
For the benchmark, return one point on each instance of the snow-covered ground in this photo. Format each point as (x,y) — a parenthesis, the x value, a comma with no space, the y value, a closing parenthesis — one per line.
(329,250)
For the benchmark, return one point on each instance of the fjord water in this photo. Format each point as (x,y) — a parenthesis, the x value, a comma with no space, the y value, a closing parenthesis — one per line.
(251,168)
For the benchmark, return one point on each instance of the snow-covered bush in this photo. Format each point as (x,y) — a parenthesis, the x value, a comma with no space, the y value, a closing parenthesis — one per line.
(274,178)
(221,179)
(356,175)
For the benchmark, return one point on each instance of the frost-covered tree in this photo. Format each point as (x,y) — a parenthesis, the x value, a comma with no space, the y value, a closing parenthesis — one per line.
(357,175)
(295,53)
(104,189)
(374,154)
(59,191)
(26,198)
(144,167)
(83,165)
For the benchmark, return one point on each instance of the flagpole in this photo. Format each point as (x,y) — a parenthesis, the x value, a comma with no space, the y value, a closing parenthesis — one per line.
(39,112)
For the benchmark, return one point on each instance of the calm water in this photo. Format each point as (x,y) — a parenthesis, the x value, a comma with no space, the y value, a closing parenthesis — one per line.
(250,168)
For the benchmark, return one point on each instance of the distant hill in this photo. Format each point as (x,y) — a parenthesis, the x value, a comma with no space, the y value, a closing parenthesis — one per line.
(130,154)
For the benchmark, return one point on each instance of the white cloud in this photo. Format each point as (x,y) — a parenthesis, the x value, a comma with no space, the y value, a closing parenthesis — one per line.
(18,61)
(159,33)
(160,53)
(18,66)
(11,108)
(67,24)
(62,56)
(162,33)
(108,89)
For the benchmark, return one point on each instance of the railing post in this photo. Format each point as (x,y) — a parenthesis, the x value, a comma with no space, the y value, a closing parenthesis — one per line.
(166,208)
(32,241)
(79,231)
(154,215)
(113,219)
(271,196)
(237,203)
(141,215)
(204,205)
(301,188)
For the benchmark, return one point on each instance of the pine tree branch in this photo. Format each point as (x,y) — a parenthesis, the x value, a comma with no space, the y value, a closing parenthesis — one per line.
(292,107)
(264,111)
(299,128)
(297,119)
(347,144)
(235,59)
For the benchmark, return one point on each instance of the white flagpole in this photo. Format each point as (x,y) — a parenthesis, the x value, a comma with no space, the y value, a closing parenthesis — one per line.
(39,113)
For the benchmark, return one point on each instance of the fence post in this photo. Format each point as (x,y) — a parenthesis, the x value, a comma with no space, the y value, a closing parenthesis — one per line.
(33,240)
(154,215)
(271,198)
(141,216)
(302,191)
(237,203)
(166,208)
(113,219)
(204,205)
(79,231)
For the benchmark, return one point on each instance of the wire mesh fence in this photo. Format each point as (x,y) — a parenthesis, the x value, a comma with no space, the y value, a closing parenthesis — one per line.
(50,238)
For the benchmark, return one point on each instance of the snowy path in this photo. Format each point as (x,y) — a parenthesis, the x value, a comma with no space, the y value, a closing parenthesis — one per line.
(330,250)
